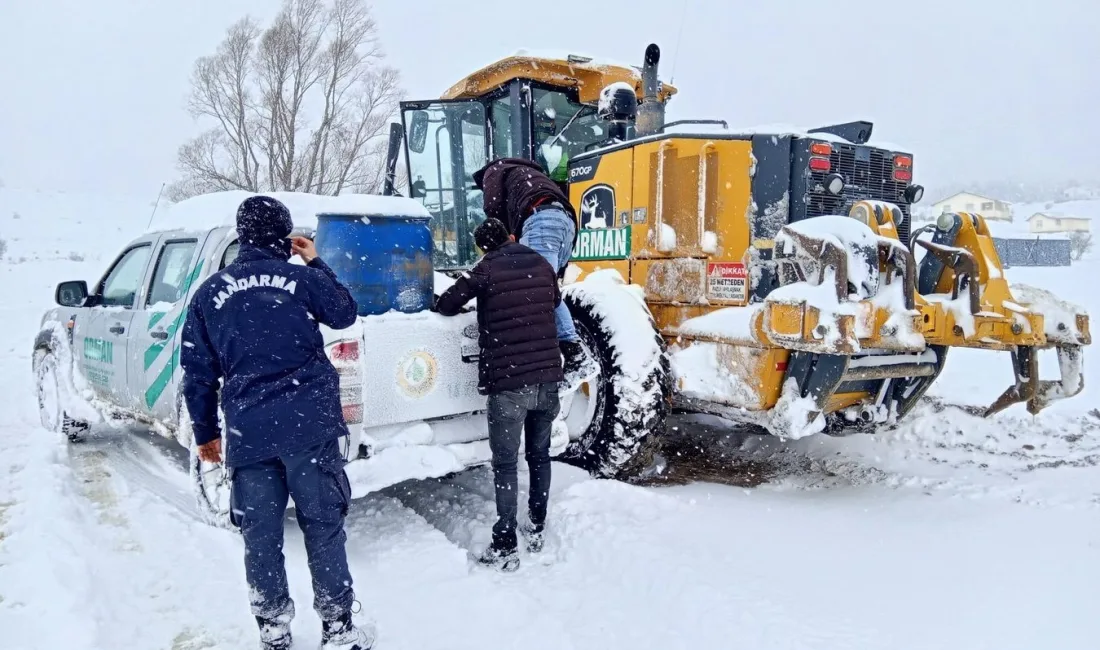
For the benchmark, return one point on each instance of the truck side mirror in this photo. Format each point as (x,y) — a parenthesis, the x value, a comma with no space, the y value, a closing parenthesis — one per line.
(72,294)
(418,131)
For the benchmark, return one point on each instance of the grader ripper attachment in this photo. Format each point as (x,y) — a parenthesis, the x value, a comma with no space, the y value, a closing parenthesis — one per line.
(779,266)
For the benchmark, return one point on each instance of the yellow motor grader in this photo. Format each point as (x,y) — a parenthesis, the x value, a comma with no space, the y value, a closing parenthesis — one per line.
(778,267)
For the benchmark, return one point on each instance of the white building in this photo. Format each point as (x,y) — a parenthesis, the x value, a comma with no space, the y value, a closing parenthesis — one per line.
(1047,222)
(991,209)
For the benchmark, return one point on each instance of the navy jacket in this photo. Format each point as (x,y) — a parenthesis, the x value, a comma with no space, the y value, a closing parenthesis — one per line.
(255,326)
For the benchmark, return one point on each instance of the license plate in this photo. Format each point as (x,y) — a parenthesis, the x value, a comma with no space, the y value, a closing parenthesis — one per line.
(470,351)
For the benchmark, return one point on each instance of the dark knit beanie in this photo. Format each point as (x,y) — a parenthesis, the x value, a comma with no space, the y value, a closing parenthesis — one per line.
(262,220)
(491,235)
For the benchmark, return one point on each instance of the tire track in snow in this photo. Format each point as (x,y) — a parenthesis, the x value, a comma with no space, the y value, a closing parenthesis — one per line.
(939,447)
(44,572)
(179,583)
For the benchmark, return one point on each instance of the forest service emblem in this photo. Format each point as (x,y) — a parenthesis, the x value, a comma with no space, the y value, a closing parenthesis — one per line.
(416,374)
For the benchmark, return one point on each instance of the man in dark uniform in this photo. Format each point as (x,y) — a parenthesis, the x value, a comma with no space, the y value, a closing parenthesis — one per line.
(519,369)
(254,327)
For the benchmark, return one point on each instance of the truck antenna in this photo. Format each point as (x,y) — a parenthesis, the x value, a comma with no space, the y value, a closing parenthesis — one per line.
(155,204)
(679,37)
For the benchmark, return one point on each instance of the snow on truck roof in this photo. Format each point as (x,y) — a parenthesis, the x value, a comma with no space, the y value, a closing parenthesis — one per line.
(217,209)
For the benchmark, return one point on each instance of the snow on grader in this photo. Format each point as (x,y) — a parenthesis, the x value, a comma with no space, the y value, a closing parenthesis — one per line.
(781,280)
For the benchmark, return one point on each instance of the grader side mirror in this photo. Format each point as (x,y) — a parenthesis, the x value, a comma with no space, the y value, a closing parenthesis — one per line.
(418,131)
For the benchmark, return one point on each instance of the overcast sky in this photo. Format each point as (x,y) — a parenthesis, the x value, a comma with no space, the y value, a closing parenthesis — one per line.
(92,92)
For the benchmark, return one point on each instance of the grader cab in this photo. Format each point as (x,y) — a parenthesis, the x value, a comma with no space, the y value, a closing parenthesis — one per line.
(780,267)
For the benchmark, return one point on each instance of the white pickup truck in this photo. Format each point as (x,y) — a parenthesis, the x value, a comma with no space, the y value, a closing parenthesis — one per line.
(110,353)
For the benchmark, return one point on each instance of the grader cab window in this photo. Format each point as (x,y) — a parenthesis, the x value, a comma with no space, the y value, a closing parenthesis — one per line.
(447,143)
(561,129)
(504,145)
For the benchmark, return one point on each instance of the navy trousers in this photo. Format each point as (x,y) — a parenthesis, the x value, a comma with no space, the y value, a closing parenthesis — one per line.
(315,478)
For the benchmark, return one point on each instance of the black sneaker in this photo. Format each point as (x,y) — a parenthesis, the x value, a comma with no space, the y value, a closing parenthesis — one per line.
(275,632)
(533,535)
(342,634)
(579,366)
(504,559)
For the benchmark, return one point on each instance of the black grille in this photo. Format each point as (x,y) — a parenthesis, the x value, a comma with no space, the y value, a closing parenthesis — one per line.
(868,174)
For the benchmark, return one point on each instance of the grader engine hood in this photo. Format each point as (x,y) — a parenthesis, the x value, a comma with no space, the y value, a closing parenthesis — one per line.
(849,286)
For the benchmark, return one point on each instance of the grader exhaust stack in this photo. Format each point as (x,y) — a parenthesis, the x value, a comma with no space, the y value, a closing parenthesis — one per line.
(651,113)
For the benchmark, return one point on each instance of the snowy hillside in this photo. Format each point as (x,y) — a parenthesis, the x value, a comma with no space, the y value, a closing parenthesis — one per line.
(46,225)
(950,532)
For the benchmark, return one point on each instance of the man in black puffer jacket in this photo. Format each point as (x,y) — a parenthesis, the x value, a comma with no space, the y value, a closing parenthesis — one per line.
(537,213)
(520,368)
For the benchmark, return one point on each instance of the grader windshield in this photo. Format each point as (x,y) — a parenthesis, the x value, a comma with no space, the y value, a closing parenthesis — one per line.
(448,140)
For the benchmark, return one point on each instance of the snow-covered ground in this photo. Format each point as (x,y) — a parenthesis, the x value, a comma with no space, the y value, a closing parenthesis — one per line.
(951,532)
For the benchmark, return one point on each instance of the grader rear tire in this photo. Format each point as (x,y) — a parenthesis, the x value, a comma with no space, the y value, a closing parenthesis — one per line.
(629,411)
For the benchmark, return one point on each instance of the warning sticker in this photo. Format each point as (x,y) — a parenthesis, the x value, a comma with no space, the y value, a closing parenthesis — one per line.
(728,282)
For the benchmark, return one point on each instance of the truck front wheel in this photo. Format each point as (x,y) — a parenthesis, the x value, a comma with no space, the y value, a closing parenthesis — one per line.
(51,408)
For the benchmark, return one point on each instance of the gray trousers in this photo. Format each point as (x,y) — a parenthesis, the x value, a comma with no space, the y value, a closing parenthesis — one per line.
(529,412)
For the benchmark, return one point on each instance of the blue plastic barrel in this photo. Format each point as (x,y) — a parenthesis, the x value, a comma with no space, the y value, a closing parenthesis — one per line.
(385,261)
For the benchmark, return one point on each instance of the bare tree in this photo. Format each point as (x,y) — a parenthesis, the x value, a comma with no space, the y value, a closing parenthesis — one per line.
(1079,244)
(300,106)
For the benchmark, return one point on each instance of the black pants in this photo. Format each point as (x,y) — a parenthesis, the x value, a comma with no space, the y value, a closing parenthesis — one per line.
(530,411)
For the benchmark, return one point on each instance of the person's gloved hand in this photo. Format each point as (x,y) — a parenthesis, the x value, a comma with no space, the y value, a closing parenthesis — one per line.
(211,452)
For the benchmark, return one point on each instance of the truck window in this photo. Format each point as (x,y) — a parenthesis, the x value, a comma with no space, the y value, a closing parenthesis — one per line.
(230,254)
(170,274)
(121,285)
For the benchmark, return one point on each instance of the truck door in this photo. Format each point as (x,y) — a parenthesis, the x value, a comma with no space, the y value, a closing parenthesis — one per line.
(158,324)
(101,333)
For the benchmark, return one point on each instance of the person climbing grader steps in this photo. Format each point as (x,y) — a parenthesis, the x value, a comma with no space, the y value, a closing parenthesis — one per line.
(538,215)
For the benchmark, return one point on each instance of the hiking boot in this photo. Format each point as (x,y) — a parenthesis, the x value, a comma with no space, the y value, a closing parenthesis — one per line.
(502,558)
(533,535)
(275,632)
(342,634)
(579,366)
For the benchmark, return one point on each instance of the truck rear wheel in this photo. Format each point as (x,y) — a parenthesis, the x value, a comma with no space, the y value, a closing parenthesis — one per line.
(209,481)
(622,410)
